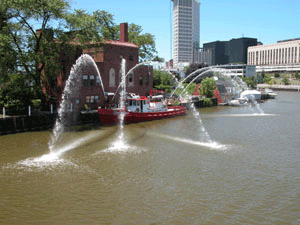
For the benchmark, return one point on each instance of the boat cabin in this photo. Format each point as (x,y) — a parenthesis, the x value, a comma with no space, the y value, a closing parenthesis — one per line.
(144,104)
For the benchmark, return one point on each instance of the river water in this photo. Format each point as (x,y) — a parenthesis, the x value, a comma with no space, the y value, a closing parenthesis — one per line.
(162,172)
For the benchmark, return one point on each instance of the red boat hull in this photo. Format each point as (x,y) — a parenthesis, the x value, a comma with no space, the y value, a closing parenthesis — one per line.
(111,116)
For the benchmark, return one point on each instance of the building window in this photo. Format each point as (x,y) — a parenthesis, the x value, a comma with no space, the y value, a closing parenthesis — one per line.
(141,80)
(112,77)
(87,99)
(92,80)
(85,80)
(131,79)
(92,99)
(98,81)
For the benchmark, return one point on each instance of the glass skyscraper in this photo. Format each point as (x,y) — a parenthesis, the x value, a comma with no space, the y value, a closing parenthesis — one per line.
(186,30)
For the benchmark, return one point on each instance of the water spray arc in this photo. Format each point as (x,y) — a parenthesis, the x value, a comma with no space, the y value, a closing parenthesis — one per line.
(130,71)
(211,68)
(72,88)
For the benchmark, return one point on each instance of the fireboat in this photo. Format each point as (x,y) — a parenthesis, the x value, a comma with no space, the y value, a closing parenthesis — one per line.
(140,109)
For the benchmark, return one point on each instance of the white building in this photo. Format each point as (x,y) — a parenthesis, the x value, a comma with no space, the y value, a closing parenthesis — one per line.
(186,30)
(282,53)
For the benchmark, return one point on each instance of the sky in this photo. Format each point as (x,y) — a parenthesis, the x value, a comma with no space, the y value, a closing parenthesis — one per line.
(268,21)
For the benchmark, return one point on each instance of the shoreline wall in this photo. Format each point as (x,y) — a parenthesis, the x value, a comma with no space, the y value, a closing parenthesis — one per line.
(18,124)
(40,121)
(275,87)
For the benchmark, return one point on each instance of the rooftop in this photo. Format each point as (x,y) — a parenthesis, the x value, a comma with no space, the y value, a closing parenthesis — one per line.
(120,43)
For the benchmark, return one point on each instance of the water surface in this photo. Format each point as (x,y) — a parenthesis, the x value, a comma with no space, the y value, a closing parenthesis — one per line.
(162,172)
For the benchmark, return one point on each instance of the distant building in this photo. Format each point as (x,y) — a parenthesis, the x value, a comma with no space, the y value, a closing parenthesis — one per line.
(285,52)
(108,60)
(230,52)
(203,56)
(186,30)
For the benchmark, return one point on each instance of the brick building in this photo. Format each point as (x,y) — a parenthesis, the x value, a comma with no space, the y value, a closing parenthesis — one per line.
(108,59)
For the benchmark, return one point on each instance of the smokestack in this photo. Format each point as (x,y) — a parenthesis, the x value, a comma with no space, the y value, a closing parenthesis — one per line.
(124,32)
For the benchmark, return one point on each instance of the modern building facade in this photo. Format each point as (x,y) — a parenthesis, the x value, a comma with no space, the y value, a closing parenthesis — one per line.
(282,53)
(186,30)
(230,52)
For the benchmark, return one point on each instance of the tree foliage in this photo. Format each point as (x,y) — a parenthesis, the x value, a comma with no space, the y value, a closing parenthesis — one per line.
(162,80)
(15,96)
(34,56)
(208,85)
(192,68)
(266,78)
(146,41)
(250,81)
(277,75)
(286,80)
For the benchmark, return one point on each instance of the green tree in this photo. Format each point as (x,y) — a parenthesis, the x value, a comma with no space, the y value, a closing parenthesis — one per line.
(250,81)
(146,41)
(162,80)
(277,75)
(36,54)
(266,79)
(286,81)
(15,96)
(297,75)
(208,85)
(191,88)
(192,68)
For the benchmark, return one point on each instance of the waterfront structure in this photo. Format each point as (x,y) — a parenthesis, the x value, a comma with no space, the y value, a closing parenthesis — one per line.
(283,56)
(230,52)
(108,59)
(186,30)
(236,70)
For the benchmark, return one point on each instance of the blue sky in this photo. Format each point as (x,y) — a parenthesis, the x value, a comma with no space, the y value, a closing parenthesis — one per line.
(266,20)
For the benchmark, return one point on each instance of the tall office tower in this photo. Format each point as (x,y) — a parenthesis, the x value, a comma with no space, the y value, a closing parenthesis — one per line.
(186,30)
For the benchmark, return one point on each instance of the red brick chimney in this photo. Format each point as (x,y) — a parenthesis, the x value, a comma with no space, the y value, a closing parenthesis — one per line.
(124,32)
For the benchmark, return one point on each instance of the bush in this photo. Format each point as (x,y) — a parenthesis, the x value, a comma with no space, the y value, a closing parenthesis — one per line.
(286,81)
(207,102)
(250,81)
(277,75)
(266,79)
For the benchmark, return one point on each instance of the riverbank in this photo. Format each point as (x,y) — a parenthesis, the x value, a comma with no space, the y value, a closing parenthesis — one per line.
(39,121)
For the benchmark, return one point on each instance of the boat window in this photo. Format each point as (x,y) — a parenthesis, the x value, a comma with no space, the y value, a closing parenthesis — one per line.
(134,103)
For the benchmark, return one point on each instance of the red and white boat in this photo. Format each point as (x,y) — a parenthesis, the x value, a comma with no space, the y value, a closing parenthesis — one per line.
(140,109)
